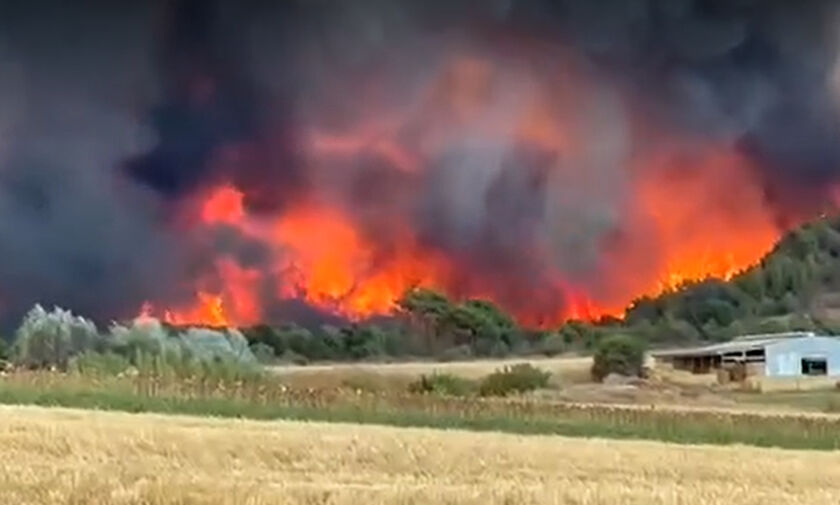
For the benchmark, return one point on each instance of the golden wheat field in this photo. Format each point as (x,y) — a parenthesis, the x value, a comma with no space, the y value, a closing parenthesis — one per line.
(83,457)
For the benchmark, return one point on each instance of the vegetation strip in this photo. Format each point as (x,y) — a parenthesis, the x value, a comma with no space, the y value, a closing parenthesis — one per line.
(794,432)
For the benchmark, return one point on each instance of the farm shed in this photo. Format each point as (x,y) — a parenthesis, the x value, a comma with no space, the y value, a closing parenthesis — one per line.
(796,354)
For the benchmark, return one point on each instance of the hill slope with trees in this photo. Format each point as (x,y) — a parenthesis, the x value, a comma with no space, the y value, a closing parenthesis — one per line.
(796,286)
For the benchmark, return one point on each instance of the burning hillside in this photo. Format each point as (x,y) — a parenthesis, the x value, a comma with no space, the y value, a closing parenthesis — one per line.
(316,160)
(467,193)
(322,254)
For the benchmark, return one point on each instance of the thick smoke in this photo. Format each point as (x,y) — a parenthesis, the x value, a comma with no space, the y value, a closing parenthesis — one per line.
(114,117)
(71,232)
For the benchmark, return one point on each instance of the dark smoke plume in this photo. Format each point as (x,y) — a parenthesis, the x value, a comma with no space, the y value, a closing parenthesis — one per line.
(113,115)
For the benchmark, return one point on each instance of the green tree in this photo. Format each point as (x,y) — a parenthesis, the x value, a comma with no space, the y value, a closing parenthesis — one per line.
(427,310)
(495,324)
(620,354)
(51,338)
(363,341)
(322,345)
(269,336)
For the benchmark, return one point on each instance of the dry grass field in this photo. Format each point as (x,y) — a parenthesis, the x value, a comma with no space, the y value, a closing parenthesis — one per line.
(470,369)
(82,457)
(397,375)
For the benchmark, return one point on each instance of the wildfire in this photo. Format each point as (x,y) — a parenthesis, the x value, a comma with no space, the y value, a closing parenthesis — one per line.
(321,256)
(690,217)
(709,215)
(209,310)
(329,262)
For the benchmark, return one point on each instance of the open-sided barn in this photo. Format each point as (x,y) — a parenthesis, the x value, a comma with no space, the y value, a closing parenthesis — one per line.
(795,354)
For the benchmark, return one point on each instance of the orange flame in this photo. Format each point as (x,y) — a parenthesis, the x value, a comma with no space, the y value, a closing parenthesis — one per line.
(709,215)
(688,219)
(224,205)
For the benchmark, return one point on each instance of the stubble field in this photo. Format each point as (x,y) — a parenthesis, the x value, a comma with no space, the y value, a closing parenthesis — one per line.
(78,457)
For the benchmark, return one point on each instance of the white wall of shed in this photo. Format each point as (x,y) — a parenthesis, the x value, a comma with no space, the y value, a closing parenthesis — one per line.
(784,358)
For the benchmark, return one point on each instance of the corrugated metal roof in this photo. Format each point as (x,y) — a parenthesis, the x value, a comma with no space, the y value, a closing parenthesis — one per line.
(741,344)
(774,336)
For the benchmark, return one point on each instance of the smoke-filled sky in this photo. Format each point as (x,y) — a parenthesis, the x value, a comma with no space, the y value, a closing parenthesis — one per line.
(276,160)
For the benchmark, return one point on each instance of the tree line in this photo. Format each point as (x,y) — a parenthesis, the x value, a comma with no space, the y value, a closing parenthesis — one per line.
(780,293)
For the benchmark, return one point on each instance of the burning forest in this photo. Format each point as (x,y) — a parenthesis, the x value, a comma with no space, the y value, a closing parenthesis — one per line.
(227,163)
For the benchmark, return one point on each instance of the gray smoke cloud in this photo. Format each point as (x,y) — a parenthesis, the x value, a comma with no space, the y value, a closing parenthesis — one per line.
(71,231)
(112,115)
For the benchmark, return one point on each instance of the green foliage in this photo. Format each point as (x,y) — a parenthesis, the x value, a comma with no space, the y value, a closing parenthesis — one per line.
(478,324)
(50,339)
(664,330)
(513,379)
(361,342)
(550,344)
(60,339)
(142,336)
(268,336)
(442,384)
(206,345)
(324,345)
(425,302)
(620,354)
(483,326)
(580,334)
(492,323)
(263,353)
(292,343)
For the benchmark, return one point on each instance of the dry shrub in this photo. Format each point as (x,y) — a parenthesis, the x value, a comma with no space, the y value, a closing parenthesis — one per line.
(514,379)
(442,384)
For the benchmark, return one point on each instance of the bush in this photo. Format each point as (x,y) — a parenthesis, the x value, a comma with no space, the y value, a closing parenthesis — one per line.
(47,339)
(145,335)
(442,384)
(513,379)
(263,353)
(323,345)
(551,344)
(620,354)
(211,345)
(268,336)
(203,353)
(362,342)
